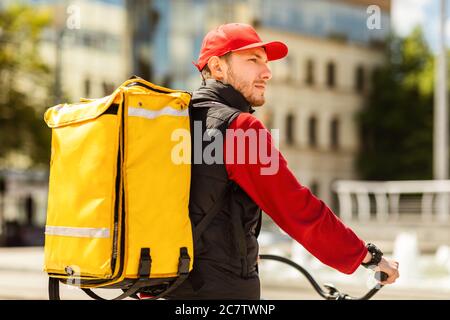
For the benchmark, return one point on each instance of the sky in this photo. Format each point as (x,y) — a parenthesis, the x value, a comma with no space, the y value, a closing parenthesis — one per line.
(406,14)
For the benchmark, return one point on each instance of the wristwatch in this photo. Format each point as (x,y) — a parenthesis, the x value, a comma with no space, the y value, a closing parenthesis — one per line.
(376,256)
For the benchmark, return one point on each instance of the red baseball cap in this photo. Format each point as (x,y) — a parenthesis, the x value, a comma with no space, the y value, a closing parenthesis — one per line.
(234,37)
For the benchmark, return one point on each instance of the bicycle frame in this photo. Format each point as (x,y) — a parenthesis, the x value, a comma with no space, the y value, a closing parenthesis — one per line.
(331,292)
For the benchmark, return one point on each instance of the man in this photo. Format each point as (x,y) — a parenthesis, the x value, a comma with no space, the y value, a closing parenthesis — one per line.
(234,65)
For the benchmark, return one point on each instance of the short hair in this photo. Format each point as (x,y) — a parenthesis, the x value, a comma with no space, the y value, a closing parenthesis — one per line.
(206,72)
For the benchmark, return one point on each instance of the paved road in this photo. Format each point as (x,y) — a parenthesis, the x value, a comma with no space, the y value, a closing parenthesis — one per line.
(33,285)
(21,278)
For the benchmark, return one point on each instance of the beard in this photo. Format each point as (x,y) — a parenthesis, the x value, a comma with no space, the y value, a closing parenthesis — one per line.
(246,88)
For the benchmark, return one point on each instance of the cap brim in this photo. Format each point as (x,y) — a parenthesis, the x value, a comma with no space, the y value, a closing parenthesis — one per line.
(275,50)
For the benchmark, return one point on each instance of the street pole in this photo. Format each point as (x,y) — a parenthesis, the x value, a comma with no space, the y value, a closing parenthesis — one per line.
(58,66)
(59,25)
(440,145)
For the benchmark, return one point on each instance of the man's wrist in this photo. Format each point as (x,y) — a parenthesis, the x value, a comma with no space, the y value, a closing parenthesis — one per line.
(375,256)
(367,258)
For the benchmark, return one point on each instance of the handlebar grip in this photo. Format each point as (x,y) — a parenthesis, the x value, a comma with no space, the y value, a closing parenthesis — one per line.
(381,276)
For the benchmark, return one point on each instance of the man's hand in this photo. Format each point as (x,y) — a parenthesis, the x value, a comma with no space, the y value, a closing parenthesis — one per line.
(390,267)
(387,266)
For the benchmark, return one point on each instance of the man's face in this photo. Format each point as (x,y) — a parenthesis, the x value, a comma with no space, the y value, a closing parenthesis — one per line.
(247,71)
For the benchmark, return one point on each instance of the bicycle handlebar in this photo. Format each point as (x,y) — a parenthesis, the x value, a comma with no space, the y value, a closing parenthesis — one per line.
(332,293)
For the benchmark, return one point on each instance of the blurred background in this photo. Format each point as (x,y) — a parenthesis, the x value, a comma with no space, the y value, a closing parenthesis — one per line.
(359,106)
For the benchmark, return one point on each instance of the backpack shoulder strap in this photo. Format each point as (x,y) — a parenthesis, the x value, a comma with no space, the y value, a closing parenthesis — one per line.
(218,205)
(218,110)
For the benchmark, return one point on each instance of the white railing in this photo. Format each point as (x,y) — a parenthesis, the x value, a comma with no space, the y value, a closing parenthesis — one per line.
(432,201)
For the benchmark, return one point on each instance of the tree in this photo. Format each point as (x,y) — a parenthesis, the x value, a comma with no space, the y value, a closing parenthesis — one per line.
(397,121)
(24,81)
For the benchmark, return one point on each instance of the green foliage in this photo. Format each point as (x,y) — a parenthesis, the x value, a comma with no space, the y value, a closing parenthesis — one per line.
(397,121)
(25,81)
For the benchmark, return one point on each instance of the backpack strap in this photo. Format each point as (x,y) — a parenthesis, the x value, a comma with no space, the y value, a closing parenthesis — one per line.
(196,279)
(215,209)
(53,288)
(220,202)
(228,117)
(141,282)
(258,226)
(241,241)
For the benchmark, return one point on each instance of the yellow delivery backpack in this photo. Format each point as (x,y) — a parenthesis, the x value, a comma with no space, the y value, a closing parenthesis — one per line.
(119,192)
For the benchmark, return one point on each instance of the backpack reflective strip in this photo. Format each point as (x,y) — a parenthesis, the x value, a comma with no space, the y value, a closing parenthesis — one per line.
(150,114)
(77,232)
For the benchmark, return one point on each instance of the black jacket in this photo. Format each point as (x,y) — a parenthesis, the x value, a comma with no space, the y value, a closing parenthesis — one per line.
(225,256)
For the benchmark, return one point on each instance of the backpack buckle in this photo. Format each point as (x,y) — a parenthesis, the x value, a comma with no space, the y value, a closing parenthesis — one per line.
(183,262)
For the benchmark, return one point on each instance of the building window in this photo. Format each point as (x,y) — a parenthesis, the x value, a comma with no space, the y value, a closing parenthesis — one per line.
(334,134)
(108,88)
(2,187)
(331,75)
(87,87)
(312,132)
(359,79)
(309,72)
(334,205)
(314,187)
(290,124)
(30,210)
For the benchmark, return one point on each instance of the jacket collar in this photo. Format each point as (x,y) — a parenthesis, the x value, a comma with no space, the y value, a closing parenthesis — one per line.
(214,90)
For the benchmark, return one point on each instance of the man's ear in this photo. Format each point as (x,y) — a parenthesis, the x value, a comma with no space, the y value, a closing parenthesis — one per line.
(215,66)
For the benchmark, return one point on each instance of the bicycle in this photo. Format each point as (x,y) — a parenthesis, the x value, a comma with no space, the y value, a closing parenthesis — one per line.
(331,292)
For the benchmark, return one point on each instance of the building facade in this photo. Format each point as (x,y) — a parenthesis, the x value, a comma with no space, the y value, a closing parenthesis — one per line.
(84,46)
(86,50)
(312,100)
(316,92)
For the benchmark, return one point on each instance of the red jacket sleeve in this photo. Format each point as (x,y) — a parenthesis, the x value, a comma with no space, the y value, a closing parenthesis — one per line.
(292,206)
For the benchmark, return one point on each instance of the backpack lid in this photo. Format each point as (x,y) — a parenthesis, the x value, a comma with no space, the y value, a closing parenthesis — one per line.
(87,109)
